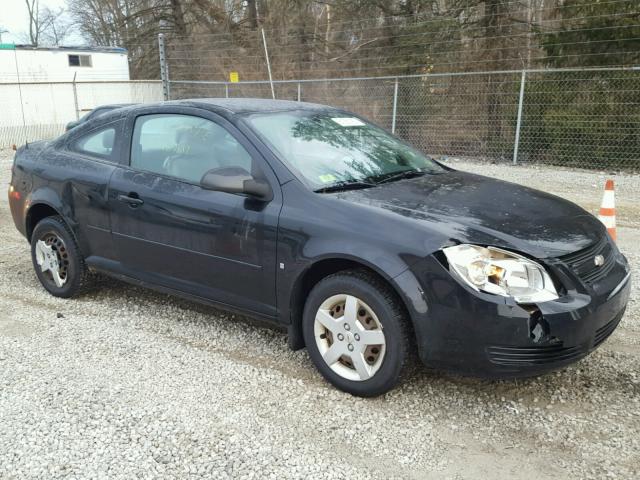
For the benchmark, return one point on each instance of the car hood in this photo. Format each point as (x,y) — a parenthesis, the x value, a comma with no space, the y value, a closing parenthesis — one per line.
(471,208)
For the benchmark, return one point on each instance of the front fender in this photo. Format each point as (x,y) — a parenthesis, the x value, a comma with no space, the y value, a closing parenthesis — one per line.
(342,236)
(384,262)
(393,269)
(292,286)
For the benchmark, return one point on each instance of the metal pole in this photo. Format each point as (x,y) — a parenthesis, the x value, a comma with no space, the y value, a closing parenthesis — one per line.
(299,91)
(75,96)
(519,120)
(164,68)
(24,122)
(266,56)
(226,90)
(395,106)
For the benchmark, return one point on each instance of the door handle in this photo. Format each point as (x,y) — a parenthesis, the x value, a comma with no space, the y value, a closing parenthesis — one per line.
(131,200)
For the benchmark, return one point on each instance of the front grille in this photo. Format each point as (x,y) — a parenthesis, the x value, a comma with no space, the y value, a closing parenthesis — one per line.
(582,261)
(523,356)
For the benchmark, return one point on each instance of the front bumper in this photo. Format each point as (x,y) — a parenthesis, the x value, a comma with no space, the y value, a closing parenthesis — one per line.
(486,335)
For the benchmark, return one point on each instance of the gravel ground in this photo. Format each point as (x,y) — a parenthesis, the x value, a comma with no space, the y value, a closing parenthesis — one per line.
(126,383)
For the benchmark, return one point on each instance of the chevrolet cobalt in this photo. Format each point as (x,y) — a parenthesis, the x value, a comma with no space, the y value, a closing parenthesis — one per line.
(368,251)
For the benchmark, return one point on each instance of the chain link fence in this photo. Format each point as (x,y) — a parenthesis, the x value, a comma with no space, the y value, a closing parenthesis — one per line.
(586,118)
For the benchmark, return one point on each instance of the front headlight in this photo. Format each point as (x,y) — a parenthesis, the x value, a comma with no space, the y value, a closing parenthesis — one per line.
(493,270)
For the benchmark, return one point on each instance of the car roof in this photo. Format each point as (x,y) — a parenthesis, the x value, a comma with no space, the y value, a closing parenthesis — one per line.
(226,107)
(113,106)
(247,105)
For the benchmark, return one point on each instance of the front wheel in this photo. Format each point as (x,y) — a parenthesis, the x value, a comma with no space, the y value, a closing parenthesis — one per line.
(357,333)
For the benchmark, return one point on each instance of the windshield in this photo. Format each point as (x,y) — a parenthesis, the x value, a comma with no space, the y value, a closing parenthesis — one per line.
(332,148)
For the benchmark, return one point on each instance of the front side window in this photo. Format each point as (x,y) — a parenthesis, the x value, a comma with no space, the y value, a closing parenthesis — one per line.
(184,147)
(97,143)
(330,148)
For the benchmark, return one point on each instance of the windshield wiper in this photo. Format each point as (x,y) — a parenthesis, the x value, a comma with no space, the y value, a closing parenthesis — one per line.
(402,174)
(345,185)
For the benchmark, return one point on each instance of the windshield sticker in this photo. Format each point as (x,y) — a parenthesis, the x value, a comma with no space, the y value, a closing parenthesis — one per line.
(348,121)
(327,178)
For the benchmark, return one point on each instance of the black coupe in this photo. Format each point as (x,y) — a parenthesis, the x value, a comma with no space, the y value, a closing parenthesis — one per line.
(367,250)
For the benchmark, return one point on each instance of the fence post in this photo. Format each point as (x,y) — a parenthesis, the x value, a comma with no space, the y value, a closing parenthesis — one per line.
(299,91)
(395,106)
(24,122)
(266,56)
(75,96)
(164,68)
(226,90)
(516,144)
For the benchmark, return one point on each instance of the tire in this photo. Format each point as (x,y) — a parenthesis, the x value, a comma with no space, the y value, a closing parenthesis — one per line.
(53,244)
(379,311)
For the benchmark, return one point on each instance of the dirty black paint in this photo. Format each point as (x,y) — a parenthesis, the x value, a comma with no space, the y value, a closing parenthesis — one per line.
(223,248)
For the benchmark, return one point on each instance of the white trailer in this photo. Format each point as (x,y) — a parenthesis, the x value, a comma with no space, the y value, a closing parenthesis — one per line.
(28,64)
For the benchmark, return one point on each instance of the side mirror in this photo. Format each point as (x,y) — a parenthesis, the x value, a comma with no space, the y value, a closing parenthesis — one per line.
(71,125)
(236,180)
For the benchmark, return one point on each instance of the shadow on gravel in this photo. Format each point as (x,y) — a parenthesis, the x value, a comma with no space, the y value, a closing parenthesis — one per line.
(586,382)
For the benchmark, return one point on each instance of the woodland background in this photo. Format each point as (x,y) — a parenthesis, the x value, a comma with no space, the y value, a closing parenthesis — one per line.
(587,116)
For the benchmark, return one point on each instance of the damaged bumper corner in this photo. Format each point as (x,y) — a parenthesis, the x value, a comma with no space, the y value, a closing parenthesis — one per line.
(488,336)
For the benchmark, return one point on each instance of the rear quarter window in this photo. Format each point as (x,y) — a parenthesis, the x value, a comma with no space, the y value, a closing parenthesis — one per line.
(97,143)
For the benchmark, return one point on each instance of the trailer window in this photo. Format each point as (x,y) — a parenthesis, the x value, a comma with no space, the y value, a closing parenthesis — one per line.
(80,61)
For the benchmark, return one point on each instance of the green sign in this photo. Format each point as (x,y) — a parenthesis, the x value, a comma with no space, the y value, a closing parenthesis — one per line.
(7,46)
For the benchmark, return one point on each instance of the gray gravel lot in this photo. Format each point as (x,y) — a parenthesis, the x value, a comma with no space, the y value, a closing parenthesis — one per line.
(125,383)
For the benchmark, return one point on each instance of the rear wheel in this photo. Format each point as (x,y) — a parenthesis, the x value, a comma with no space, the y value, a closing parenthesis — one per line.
(57,260)
(357,333)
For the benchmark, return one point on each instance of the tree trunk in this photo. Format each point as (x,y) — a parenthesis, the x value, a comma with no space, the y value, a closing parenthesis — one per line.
(252,12)
(178,17)
(494,125)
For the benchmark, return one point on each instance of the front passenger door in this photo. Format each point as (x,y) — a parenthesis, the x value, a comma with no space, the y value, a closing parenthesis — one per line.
(169,231)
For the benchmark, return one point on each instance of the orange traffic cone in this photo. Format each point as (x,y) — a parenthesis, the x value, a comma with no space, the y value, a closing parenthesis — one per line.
(608,209)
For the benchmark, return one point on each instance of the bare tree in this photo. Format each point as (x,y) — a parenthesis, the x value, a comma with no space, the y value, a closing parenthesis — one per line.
(252,13)
(46,26)
(55,27)
(323,38)
(35,23)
